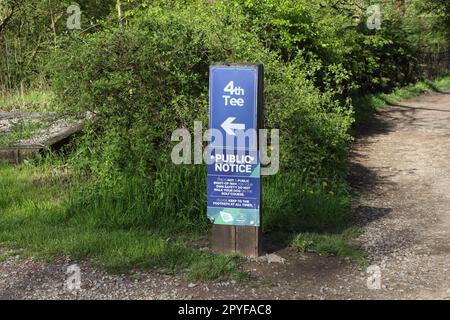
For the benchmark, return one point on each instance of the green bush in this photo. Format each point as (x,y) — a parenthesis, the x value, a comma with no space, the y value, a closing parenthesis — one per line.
(334,38)
(151,78)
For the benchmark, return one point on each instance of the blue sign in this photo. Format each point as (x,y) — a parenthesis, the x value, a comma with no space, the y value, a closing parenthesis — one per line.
(234,186)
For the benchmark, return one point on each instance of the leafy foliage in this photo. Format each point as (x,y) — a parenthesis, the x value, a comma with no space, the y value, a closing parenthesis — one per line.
(156,72)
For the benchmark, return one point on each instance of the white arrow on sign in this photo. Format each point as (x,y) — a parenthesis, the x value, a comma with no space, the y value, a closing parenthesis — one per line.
(229,126)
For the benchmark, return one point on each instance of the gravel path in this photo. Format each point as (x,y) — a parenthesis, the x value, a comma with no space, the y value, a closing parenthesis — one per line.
(401,171)
(402,168)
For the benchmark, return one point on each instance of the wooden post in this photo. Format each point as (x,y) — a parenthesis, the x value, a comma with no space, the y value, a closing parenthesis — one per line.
(246,240)
(224,238)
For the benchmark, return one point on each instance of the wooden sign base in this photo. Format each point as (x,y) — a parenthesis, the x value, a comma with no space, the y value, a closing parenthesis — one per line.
(236,239)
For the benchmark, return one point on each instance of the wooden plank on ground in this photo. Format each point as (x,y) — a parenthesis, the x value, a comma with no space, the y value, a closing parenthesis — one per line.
(9,155)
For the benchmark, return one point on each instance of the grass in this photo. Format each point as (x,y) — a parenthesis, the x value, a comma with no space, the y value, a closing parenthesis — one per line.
(293,203)
(49,212)
(340,244)
(312,217)
(366,105)
(36,215)
(32,100)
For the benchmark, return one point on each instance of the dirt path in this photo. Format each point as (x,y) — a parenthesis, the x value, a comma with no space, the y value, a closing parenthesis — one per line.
(400,168)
